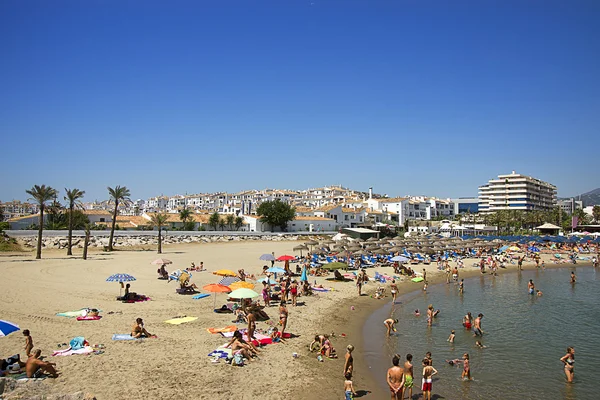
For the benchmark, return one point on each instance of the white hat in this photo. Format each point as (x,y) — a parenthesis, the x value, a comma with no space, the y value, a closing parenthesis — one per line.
(15,369)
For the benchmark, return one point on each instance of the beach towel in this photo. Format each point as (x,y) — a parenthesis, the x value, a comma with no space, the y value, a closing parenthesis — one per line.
(140,299)
(200,296)
(230,328)
(319,289)
(122,336)
(70,351)
(77,343)
(74,314)
(95,318)
(221,352)
(177,321)
(417,279)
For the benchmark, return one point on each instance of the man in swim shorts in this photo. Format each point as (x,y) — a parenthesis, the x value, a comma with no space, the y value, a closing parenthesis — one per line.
(408,376)
(477,326)
(531,287)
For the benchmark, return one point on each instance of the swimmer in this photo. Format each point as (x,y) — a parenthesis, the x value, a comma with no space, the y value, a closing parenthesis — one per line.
(417,313)
(539,293)
(454,362)
(569,361)
(424,286)
(573,277)
(390,325)
(479,345)
(466,374)
(451,337)
(530,287)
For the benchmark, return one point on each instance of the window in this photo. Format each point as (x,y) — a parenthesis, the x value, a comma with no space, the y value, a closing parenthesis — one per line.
(102,220)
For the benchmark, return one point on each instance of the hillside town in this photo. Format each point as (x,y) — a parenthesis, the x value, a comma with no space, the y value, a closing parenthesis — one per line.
(328,208)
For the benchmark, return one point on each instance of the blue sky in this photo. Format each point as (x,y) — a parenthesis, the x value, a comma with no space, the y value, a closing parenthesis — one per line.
(409,97)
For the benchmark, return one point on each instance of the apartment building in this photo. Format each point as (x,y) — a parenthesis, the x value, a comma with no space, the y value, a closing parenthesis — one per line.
(516,192)
(16,208)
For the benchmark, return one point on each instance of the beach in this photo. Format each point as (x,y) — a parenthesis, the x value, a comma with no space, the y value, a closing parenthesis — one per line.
(175,365)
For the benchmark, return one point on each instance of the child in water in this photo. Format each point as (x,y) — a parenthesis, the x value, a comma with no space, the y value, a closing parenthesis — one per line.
(451,337)
(417,313)
(479,345)
(466,374)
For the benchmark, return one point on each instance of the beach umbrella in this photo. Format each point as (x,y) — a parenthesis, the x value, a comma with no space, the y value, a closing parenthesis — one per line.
(285,257)
(241,285)
(6,328)
(335,265)
(120,278)
(243,294)
(300,248)
(216,288)
(268,281)
(228,280)
(380,251)
(360,253)
(267,257)
(225,272)
(372,239)
(514,248)
(400,259)
(161,261)
(311,243)
(276,270)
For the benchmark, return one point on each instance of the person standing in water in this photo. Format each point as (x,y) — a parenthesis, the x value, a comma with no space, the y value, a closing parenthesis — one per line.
(394,290)
(389,324)
(466,373)
(531,287)
(477,326)
(461,286)
(428,372)
(569,361)
(573,277)
(467,320)
(408,376)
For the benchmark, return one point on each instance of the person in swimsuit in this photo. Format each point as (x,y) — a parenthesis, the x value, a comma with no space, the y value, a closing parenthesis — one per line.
(349,392)
(451,337)
(531,287)
(349,363)
(430,315)
(573,277)
(467,321)
(461,286)
(389,324)
(28,342)
(395,379)
(477,326)
(408,376)
(455,274)
(283,316)
(327,348)
(294,292)
(34,367)
(428,372)
(266,294)
(394,290)
(138,330)
(251,318)
(466,373)
(569,361)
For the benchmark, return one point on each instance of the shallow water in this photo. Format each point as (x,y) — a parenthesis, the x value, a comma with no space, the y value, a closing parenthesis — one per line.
(525,336)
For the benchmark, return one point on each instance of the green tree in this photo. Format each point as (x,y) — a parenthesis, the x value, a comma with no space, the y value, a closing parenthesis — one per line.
(239,221)
(185,215)
(213,220)
(118,195)
(41,194)
(230,221)
(276,213)
(583,218)
(72,197)
(222,223)
(55,219)
(159,220)
(596,213)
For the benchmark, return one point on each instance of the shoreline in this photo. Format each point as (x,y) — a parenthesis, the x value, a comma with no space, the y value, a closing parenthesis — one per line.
(438,280)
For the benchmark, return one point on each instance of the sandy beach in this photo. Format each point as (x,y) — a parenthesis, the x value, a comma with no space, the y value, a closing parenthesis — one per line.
(176,365)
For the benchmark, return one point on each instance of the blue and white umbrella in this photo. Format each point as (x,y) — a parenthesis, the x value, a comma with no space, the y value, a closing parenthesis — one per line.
(276,270)
(228,280)
(6,328)
(267,257)
(120,278)
(268,281)
(400,259)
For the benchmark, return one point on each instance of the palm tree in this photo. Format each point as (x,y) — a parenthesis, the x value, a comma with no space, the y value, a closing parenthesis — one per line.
(118,195)
(41,194)
(230,221)
(239,221)
(86,241)
(184,216)
(159,220)
(213,220)
(72,196)
(222,223)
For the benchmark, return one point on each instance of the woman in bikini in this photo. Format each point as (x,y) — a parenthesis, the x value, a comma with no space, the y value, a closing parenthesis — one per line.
(466,373)
(294,292)
(569,361)
(283,316)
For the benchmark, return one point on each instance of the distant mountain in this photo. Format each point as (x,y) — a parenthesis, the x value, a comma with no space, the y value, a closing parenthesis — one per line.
(590,198)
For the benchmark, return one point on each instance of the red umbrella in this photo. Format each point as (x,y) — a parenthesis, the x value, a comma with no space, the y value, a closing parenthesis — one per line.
(285,258)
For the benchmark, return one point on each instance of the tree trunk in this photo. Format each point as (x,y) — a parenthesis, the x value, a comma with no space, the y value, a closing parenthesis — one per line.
(69,251)
(112,229)
(38,254)
(85,244)
(159,241)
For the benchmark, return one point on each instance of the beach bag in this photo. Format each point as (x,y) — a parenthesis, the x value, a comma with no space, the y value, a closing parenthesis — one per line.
(238,359)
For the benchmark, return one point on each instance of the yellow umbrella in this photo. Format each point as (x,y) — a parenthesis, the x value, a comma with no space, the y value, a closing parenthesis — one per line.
(225,272)
(241,285)
(514,248)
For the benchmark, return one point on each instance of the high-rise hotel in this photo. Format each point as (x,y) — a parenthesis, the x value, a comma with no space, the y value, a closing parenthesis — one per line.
(516,192)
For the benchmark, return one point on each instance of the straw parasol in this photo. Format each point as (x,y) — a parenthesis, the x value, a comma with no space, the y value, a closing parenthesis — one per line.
(301,248)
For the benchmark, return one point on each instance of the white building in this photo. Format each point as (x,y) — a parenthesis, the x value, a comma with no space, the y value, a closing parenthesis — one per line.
(570,205)
(516,192)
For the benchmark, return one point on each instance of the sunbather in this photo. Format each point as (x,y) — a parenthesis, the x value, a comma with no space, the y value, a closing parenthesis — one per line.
(36,367)
(138,330)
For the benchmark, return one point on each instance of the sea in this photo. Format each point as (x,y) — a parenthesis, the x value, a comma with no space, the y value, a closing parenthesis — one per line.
(525,335)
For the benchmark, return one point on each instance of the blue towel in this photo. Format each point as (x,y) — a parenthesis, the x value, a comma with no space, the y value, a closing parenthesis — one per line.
(77,342)
(122,336)
(200,296)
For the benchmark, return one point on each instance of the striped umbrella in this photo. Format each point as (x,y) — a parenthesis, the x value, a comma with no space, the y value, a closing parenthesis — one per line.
(120,278)
(6,328)
(229,280)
